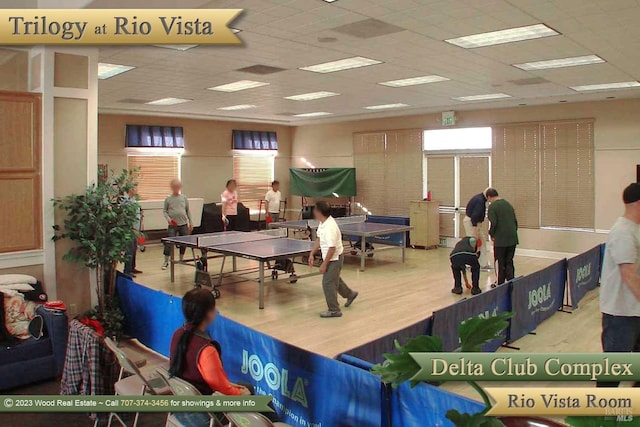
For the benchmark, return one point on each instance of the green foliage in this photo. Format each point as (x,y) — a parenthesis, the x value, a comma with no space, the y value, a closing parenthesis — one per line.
(475,420)
(601,422)
(477,331)
(101,223)
(112,320)
(400,367)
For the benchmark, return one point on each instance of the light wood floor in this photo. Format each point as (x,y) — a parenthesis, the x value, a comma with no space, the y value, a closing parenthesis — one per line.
(392,295)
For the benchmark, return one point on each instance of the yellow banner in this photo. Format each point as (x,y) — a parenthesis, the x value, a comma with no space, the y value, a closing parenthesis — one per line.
(565,401)
(117,26)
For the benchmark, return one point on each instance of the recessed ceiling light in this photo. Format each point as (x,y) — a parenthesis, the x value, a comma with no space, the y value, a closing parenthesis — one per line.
(106,70)
(605,86)
(342,64)
(385,106)
(316,114)
(412,81)
(239,85)
(238,107)
(169,101)
(561,63)
(504,36)
(482,97)
(177,46)
(311,96)
(329,1)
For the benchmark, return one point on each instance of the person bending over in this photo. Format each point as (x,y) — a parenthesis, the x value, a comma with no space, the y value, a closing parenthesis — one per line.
(329,242)
(176,212)
(464,254)
(195,356)
(229,199)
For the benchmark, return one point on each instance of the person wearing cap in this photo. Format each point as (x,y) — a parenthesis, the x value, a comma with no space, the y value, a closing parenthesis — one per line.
(504,235)
(473,223)
(465,253)
(620,281)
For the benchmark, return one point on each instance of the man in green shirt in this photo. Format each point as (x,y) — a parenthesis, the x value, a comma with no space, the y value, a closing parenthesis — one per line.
(504,234)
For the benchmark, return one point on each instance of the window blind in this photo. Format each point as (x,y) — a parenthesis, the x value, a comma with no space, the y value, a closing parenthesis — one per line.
(369,159)
(567,185)
(474,177)
(138,136)
(441,179)
(515,169)
(253,175)
(254,140)
(155,174)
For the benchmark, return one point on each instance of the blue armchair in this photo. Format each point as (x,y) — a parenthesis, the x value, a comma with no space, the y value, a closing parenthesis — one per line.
(32,360)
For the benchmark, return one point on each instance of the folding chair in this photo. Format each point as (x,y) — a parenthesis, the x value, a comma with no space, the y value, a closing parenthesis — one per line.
(180,387)
(135,384)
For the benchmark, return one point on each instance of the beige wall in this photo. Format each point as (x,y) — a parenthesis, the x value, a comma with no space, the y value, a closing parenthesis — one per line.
(32,270)
(617,139)
(207,160)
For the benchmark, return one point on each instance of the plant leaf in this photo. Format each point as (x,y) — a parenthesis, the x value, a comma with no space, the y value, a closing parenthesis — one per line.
(477,331)
(475,420)
(400,367)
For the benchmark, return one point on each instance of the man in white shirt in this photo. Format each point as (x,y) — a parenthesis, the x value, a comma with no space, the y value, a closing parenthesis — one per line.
(329,242)
(273,198)
(620,281)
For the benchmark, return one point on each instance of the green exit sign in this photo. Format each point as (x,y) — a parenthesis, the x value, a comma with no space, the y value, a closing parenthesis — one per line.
(448,118)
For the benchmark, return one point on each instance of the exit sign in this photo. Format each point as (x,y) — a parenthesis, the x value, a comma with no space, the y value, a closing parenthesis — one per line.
(448,118)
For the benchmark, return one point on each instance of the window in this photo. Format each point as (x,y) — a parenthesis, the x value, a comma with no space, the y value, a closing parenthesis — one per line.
(254,140)
(154,137)
(457,139)
(156,171)
(567,175)
(253,174)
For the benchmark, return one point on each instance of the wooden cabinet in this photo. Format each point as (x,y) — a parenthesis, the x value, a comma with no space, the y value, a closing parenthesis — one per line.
(425,220)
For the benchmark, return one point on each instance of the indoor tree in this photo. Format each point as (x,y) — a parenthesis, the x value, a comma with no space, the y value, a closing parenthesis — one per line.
(101,222)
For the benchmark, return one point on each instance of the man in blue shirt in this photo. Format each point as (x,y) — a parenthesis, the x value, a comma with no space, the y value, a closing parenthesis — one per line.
(474,224)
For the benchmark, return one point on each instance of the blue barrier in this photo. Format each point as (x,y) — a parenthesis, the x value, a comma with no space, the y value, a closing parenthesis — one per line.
(426,405)
(309,389)
(537,297)
(583,274)
(390,239)
(373,351)
(489,303)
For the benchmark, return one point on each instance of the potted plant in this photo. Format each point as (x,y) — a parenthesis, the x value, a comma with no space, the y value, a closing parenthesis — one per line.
(474,333)
(101,222)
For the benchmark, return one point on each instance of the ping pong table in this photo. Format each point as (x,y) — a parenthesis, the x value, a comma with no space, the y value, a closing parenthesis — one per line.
(263,246)
(358,227)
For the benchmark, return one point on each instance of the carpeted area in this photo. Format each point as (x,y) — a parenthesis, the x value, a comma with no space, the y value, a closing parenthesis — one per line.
(61,419)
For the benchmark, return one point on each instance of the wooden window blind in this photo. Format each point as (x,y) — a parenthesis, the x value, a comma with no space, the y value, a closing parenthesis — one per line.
(474,177)
(515,169)
(369,158)
(155,174)
(441,179)
(389,170)
(253,175)
(567,184)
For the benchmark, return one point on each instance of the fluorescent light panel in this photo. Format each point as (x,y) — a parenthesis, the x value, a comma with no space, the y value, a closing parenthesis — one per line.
(482,97)
(605,86)
(385,106)
(504,36)
(106,70)
(413,81)
(169,101)
(311,96)
(342,64)
(238,107)
(237,86)
(316,114)
(560,63)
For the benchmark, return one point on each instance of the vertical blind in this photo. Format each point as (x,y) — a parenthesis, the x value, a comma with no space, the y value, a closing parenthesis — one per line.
(389,170)
(567,181)
(155,174)
(515,169)
(441,182)
(253,175)
(154,136)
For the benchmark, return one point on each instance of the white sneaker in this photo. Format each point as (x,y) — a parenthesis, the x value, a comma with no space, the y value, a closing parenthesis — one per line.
(165,265)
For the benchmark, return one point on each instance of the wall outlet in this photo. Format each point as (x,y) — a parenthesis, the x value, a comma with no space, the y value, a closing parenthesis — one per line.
(73,309)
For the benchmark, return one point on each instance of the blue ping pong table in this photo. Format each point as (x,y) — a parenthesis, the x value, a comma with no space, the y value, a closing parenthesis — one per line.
(264,247)
(358,227)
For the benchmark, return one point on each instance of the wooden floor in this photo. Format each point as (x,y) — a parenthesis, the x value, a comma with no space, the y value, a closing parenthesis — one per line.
(392,295)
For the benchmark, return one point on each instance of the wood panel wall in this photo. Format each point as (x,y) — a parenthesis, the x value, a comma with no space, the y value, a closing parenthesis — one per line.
(20,172)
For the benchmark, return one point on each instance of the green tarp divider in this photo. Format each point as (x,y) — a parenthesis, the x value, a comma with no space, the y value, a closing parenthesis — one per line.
(323,182)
